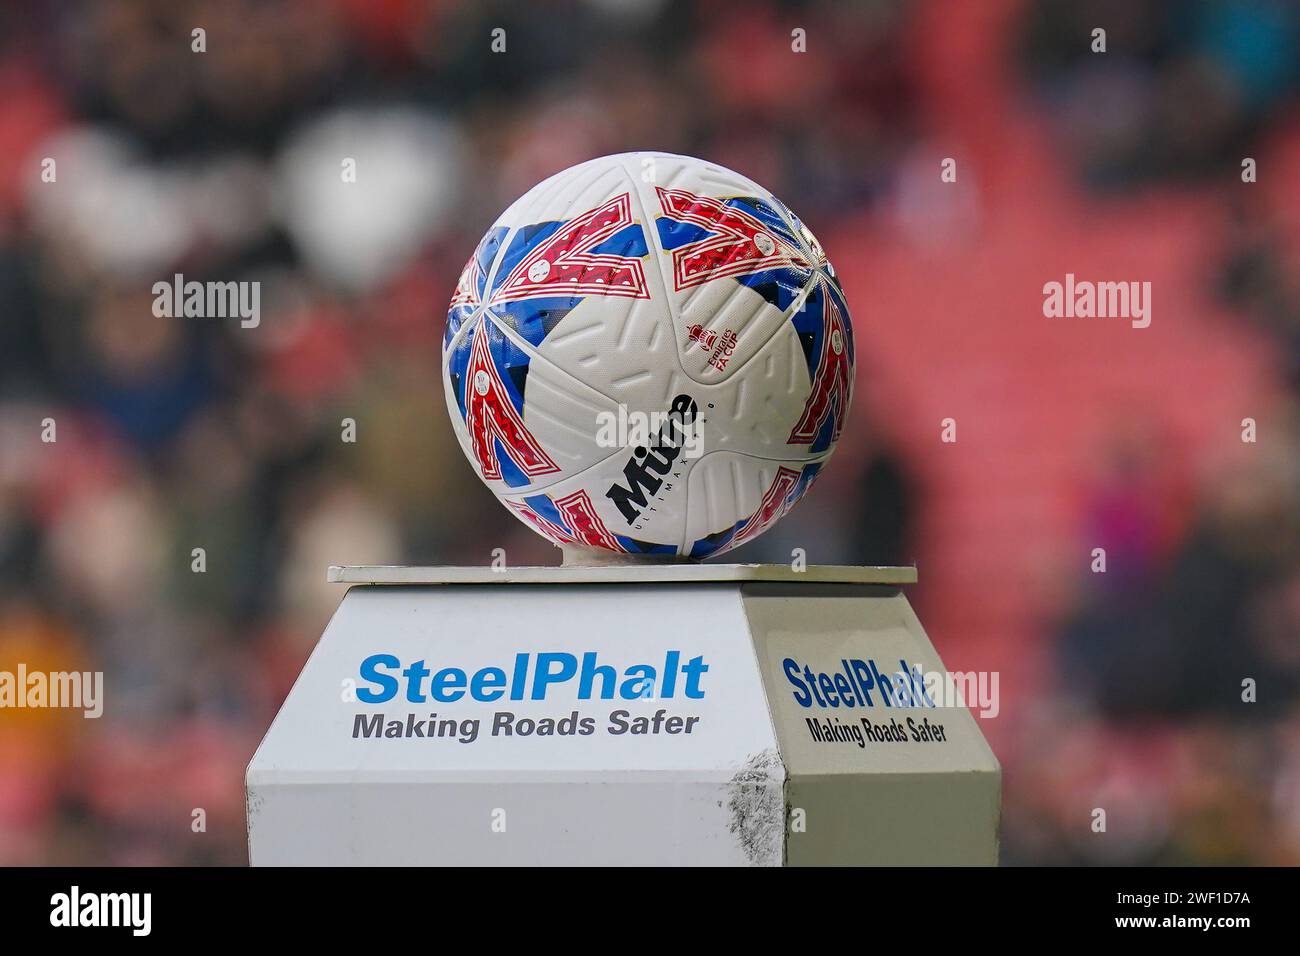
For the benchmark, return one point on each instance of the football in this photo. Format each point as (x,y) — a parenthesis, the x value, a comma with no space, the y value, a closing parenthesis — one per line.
(648,354)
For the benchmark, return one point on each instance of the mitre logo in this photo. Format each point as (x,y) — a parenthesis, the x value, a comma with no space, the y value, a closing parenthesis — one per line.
(651,464)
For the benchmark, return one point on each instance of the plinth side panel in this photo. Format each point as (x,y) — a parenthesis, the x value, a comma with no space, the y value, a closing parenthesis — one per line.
(880,770)
(352,772)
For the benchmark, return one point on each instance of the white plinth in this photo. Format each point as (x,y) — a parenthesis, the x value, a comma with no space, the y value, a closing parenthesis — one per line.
(640,714)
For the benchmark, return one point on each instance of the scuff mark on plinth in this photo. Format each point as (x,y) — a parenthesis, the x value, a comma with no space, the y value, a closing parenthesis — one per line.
(756,804)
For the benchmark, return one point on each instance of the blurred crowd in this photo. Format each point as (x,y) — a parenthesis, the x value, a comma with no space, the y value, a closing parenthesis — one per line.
(172,435)
(1178,670)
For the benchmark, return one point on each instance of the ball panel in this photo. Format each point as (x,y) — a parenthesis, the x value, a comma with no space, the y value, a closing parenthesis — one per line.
(623,504)
(733,498)
(467,300)
(755,411)
(714,233)
(522,421)
(567,193)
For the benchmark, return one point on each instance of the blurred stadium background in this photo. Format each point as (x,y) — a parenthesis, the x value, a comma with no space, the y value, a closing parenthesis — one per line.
(1119,690)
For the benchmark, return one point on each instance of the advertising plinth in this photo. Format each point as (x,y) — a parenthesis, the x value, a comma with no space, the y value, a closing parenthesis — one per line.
(633,715)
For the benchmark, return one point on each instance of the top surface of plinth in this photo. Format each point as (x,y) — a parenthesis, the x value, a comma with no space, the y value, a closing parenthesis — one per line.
(621,574)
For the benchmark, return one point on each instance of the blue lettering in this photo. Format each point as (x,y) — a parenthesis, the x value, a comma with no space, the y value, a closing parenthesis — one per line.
(532,676)
(386,682)
(545,676)
(801,695)
(448,685)
(481,689)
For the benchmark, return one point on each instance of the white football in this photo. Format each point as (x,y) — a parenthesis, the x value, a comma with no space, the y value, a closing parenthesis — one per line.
(648,354)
